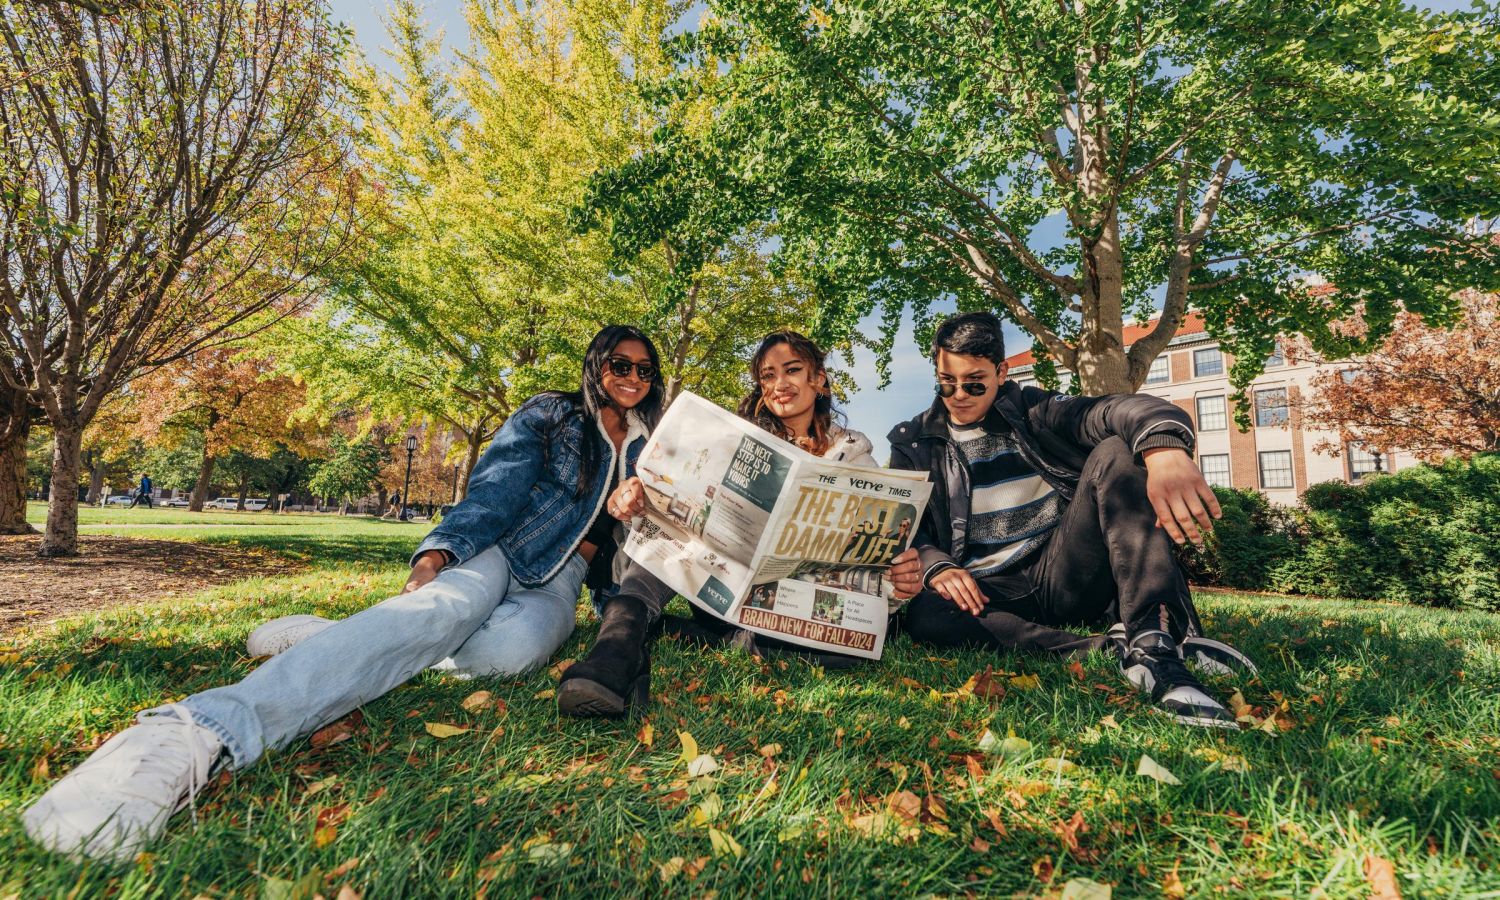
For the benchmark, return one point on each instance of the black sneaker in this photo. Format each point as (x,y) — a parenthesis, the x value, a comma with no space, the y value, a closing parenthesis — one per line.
(1151,664)
(1216,657)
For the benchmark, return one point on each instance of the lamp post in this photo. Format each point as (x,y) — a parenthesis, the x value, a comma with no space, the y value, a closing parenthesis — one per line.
(411,447)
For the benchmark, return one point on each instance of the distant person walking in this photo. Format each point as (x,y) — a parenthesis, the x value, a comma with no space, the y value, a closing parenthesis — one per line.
(142,493)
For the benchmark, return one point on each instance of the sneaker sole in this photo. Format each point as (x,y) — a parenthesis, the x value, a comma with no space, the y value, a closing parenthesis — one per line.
(587,699)
(1197,721)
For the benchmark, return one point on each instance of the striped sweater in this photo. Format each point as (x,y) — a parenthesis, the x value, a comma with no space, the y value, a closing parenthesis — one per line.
(1012,509)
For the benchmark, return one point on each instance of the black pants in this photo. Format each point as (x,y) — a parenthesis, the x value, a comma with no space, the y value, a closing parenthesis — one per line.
(1107,561)
(141,497)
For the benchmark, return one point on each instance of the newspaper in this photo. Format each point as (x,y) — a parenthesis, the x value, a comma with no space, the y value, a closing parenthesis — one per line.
(767,536)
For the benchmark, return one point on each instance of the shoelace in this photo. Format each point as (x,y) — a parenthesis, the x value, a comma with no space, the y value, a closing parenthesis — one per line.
(196,748)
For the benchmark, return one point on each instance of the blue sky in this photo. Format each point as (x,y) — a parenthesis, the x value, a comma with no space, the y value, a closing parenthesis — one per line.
(869,409)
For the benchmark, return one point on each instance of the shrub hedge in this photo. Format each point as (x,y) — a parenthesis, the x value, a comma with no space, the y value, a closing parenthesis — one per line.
(1428,535)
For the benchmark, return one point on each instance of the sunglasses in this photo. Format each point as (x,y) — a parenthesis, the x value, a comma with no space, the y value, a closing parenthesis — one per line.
(972,388)
(620,367)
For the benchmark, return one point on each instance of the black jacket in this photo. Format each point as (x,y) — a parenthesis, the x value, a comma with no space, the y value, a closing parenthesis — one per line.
(1054,432)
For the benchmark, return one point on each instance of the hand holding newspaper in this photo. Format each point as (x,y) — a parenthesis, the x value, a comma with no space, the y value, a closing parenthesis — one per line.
(767,536)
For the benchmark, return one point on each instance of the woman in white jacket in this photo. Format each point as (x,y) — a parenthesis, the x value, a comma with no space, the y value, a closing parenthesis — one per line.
(791,399)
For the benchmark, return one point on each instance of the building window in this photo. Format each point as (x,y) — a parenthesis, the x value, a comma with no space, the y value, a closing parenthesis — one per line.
(1215,468)
(1270,407)
(1276,469)
(1211,414)
(1362,462)
(1277,357)
(1160,371)
(1208,361)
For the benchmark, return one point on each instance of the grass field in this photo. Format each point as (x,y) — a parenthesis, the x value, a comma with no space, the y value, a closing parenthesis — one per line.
(1384,750)
(98,516)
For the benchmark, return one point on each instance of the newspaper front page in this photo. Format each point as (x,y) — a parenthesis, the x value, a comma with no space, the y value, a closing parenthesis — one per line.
(767,536)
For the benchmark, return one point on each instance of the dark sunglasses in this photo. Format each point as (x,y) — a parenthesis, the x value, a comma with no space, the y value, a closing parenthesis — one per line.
(620,367)
(972,388)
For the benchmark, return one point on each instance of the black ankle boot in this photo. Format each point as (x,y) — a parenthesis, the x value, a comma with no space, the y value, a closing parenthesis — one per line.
(616,674)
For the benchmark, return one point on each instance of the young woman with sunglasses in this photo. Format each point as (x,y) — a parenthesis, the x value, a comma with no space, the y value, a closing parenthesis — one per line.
(791,399)
(493,590)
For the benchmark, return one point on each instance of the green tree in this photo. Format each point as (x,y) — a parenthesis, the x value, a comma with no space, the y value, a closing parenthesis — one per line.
(157,162)
(1195,152)
(350,471)
(470,287)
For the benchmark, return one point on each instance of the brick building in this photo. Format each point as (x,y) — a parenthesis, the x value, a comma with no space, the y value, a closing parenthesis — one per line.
(1276,455)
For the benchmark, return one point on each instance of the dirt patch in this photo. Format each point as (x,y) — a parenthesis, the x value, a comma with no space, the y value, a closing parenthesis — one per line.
(114,571)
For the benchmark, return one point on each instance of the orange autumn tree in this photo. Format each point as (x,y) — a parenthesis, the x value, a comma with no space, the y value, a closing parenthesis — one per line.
(235,401)
(1430,391)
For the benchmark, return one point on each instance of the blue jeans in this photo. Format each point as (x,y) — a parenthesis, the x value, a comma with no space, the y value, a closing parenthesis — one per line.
(472,619)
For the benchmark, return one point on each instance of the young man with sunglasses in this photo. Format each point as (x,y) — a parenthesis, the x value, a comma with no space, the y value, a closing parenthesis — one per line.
(1052,510)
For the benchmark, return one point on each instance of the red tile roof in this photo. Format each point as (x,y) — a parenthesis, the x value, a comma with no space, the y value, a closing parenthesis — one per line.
(1191,324)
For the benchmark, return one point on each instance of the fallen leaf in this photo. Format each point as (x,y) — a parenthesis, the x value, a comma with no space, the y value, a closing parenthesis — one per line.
(770,750)
(442,730)
(1172,887)
(541,849)
(1057,765)
(647,736)
(689,746)
(723,844)
(707,811)
(285,889)
(557,671)
(1109,722)
(703,765)
(904,804)
(987,686)
(338,732)
(348,893)
(1075,668)
(1380,873)
(478,701)
(1084,889)
(1042,868)
(671,868)
(547,694)
(1025,682)
(1152,769)
(979,845)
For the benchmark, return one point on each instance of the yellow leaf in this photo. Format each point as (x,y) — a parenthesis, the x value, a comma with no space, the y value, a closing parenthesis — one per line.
(724,845)
(770,750)
(1025,682)
(1172,887)
(479,700)
(689,746)
(1153,769)
(703,765)
(547,694)
(1109,722)
(1084,889)
(442,731)
(647,735)
(671,868)
(348,893)
(1057,765)
(707,811)
(541,849)
(324,836)
(557,671)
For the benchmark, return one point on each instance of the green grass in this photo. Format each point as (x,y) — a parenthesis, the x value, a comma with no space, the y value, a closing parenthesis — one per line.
(1392,751)
(91,516)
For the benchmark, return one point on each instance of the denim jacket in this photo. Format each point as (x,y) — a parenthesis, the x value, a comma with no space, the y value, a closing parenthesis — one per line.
(523,492)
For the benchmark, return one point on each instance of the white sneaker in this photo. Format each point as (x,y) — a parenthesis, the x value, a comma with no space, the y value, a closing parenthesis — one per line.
(120,798)
(281,635)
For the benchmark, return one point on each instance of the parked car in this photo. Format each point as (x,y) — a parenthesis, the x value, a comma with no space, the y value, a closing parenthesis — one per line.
(177,502)
(119,500)
(255,504)
(222,503)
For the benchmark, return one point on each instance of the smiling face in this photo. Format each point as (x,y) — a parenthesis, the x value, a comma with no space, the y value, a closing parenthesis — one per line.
(627,390)
(957,369)
(789,384)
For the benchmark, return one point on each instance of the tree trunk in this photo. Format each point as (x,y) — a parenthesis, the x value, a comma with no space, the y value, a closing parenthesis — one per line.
(474,441)
(61,538)
(95,461)
(244,492)
(200,487)
(15,428)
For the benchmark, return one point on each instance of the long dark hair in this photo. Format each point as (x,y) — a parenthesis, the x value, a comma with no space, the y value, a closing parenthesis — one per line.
(753,405)
(591,399)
